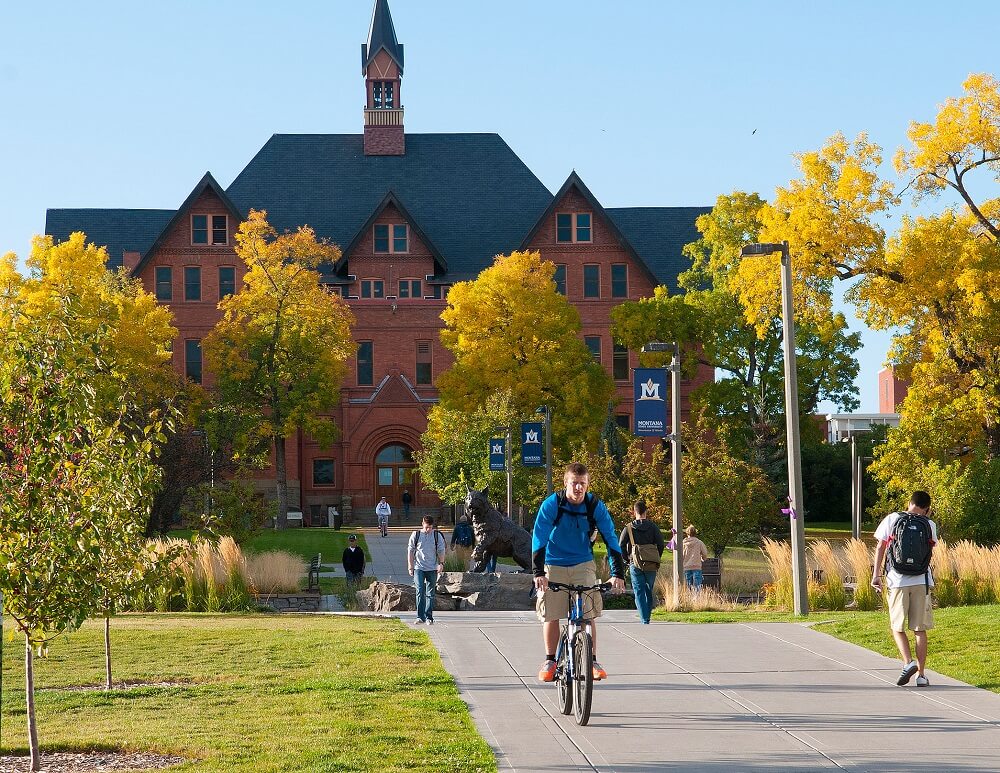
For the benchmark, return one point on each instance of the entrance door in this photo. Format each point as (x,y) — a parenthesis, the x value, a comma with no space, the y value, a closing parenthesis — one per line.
(395,471)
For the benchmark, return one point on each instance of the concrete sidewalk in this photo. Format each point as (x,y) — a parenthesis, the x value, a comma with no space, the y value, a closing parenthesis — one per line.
(712,698)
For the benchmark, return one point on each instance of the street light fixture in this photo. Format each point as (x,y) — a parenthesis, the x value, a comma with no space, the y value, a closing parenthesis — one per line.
(509,466)
(796,504)
(675,457)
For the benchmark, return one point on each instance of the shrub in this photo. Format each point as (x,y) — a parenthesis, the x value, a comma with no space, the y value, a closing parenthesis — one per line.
(858,557)
(780,592)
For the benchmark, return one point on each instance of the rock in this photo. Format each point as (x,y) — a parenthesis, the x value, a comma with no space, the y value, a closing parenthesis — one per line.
(463,583)
(389,597)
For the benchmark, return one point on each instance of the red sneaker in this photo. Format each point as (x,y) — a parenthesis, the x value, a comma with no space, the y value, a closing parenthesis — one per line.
(547,673)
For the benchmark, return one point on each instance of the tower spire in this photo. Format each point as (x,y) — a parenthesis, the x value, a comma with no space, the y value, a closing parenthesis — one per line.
(382,65)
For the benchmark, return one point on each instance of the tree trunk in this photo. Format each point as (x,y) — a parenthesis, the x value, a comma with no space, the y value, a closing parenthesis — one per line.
(281,476)
(29,698)
(992,432)
(107,650)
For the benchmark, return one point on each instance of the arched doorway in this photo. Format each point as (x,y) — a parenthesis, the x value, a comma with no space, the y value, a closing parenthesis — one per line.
(395,471)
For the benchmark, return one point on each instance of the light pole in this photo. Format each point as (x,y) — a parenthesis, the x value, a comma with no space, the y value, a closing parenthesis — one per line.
(547,418)
(509,466)
(796,505)
(675,457)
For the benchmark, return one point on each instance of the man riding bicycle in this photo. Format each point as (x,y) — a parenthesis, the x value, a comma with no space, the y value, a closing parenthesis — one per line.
(562,551)
(383,511)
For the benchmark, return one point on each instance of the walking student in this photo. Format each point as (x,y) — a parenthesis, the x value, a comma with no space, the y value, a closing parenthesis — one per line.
(353,561)
(695,553)
(425,558)
(562,551)
(902,562)
(642,545)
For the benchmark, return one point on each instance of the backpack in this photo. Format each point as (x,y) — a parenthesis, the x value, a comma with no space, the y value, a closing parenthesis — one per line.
(645,558)
(910,546)
(591,503)
(436,533)
(465,536)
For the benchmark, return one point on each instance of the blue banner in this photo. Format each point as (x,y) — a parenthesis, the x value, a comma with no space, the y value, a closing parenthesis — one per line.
(650,402)
(531,444)
(498,455)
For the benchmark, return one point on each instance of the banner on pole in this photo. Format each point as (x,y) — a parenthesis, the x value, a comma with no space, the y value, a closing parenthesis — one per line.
(531,444)
(498,455)
(650,402)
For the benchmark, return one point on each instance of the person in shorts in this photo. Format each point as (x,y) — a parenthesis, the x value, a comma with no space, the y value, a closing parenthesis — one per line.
(908,596)
(562,551)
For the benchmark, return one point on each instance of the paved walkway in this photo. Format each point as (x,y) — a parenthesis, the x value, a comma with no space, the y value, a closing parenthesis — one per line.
(710,698)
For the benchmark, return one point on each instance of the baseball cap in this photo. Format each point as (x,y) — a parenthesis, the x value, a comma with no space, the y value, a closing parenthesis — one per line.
(352,538)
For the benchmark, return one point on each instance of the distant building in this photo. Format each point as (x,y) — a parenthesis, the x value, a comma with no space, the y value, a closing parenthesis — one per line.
(892,390)
(842,425)
(413,214)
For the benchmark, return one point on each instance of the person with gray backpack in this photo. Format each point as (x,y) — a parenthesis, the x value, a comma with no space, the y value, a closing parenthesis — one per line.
(903,558)
(642,545)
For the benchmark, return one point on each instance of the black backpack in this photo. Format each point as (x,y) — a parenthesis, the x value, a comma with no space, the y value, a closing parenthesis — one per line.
(591,503)
(910,545)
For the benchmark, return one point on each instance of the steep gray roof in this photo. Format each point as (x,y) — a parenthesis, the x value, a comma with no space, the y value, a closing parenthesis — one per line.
(658,234)
(120,230)
(381,34)
(469,193)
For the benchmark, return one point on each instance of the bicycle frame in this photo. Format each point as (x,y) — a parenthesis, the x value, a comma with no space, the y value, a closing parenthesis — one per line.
(574,653)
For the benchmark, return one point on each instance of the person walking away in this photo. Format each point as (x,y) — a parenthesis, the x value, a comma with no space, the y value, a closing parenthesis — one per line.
(383,511)
(425,558)
(353,561)
(462,538)
(407,501)
(902,562)
(694,553)
(642,545)
(562,551)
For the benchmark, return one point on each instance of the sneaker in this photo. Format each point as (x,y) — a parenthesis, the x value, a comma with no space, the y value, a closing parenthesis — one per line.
(547,673)
(418,621)
(922,681)
(599,672)
(430,621)
(907,673)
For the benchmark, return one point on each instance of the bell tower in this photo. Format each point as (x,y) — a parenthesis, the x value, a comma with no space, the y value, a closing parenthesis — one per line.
(382,66)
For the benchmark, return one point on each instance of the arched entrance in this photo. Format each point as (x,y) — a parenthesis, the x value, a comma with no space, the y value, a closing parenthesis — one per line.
(395,471)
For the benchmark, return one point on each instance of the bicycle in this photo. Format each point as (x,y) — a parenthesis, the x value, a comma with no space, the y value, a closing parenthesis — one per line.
(575,654)
(383,525)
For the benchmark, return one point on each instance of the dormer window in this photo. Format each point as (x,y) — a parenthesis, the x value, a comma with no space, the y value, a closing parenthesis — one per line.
(201,231)
(573,228)
(392,238)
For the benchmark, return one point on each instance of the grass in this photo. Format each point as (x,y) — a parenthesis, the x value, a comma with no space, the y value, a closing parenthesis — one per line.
(259,693)
(962,644)
(305,542)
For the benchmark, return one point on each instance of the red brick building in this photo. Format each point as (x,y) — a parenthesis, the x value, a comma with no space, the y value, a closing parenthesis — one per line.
(413,214)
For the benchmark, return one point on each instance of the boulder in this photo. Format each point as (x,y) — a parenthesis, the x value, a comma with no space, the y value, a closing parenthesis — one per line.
(463,583)
(388,597)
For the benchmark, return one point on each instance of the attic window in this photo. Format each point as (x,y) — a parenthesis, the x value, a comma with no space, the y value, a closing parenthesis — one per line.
(382,94)
(573,228)
(399,241)
(200,231)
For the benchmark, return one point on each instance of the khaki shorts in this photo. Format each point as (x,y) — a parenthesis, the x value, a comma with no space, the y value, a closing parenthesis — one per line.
(552,605)
(910,604)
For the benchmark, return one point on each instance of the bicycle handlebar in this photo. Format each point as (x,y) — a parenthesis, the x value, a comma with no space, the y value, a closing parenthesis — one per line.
(601,586)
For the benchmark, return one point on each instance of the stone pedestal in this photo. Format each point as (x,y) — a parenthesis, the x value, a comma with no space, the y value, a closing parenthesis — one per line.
(456,591)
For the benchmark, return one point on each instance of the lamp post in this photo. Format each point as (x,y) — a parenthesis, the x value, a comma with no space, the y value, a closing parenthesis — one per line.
(547,419)
(509,466)
(210,456)
(675,457)
(796,505)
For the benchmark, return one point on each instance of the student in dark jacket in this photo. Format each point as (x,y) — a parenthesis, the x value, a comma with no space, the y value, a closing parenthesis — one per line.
(353,560)
(643,532)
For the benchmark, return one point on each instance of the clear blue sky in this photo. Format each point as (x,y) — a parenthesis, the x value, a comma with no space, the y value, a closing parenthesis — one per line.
(125,104)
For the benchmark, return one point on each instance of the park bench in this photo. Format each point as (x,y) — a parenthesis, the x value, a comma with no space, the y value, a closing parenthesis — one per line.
(314,566)
(711,573)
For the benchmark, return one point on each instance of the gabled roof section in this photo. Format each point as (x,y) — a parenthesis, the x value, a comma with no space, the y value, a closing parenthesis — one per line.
(471,195)
(206,183)
(120,230)
(659,234)
(381,34)
(391,199)
(574,181)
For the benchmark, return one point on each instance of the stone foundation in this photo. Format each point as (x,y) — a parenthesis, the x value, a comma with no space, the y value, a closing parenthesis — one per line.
(292,602)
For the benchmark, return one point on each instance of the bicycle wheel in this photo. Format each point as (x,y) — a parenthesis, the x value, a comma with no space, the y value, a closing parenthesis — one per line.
(583,675)
(564,686)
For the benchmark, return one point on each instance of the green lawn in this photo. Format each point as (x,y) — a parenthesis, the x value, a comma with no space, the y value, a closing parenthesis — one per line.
(258,693)
(305,542)
(961,645)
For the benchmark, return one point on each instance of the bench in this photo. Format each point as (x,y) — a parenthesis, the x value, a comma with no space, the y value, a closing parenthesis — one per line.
(711,573)
(314,566)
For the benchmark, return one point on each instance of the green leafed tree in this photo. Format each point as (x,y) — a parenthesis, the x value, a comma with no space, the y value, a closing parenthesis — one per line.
(279,354)
(510,330)
(76,471)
